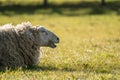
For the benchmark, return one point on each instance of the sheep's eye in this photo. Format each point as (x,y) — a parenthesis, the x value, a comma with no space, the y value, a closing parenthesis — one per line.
(44,32)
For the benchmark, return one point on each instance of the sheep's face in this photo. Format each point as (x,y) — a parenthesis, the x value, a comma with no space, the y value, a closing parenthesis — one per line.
(46,38)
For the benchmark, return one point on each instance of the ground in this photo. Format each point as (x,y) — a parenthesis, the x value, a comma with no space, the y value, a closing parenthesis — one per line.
(89,47)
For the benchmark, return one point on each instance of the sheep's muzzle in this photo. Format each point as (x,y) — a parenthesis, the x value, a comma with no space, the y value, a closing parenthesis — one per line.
(52,44)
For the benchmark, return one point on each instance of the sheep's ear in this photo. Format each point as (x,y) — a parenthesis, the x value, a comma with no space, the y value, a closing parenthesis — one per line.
(34,30)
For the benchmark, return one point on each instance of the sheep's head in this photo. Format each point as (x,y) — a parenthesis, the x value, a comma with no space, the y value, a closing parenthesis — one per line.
(46,38)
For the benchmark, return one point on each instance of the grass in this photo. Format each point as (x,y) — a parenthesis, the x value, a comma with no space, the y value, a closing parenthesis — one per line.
(90,41)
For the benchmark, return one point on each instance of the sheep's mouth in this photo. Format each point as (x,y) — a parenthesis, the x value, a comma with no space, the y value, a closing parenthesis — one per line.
(52,44)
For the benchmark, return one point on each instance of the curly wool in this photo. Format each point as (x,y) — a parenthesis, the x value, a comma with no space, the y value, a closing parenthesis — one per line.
(17,47)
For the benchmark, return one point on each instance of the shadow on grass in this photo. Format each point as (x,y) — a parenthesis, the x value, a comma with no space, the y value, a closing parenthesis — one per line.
(65,9)
(69,69)
(38,68)
(47,68)
(63,69)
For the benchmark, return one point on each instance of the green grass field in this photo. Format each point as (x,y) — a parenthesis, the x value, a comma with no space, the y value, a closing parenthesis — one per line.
(89,47)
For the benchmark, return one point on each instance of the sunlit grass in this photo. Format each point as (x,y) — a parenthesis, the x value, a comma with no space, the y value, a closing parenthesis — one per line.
(89,47)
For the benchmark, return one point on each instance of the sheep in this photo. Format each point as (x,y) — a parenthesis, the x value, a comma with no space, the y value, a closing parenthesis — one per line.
(20,44)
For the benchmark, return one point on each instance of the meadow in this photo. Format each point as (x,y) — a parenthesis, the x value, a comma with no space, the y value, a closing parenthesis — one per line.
(89,47)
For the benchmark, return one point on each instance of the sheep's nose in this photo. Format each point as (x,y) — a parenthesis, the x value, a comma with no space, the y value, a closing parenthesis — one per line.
(58,39)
